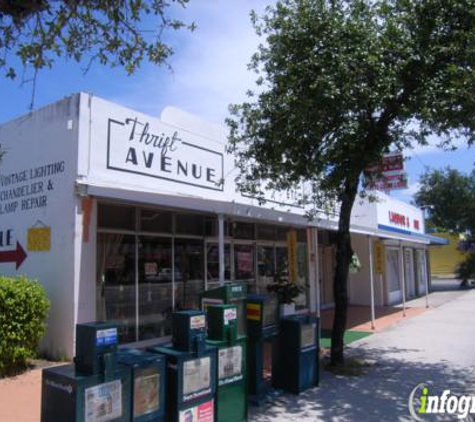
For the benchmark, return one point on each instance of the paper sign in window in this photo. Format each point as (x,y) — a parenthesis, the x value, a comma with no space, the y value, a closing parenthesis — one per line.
(39,239)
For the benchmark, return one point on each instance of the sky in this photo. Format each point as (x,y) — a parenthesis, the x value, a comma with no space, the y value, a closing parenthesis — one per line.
(209,72)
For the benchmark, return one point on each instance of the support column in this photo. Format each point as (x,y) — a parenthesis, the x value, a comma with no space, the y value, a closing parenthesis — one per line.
(402,277)
(221,248)
(427,278)
(317,270)
(371,281)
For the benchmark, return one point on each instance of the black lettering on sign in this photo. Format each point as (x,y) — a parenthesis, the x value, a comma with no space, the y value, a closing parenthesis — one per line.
(6,238)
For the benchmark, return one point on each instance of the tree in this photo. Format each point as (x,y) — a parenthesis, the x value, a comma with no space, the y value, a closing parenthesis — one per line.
(340,82)
(450,197)
(35,33)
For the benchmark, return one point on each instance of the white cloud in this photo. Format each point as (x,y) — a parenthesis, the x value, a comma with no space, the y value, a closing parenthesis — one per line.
(406,195)
(433,147)
(209,65)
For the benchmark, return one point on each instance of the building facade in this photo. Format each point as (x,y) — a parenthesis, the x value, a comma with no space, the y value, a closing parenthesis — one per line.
(126,217)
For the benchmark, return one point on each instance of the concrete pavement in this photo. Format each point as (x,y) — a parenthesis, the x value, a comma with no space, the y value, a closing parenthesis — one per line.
(437,346)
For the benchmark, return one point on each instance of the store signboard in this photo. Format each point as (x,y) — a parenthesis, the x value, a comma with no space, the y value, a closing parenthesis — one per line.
(387,175)
(389,182)
(399,216)
(391,162)
(175,155)
(155,149)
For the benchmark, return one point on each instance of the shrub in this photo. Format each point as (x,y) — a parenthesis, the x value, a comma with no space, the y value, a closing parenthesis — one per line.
(23,310)
(466,269)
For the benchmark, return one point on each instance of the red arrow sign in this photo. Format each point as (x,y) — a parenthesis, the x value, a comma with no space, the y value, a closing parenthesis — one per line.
(18,255)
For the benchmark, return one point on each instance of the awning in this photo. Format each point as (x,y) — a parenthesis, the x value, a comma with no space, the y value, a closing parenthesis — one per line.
(193,203)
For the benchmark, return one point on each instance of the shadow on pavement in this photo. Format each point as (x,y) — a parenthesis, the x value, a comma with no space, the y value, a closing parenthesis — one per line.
(380,395)
(445,285)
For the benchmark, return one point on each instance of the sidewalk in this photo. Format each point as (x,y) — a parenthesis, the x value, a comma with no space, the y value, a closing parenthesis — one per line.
(436,346)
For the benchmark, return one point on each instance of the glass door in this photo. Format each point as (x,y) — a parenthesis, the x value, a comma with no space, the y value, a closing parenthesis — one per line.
(212,264)
(393,276)
(265,268)
(155,291)
(189,273)
(116,293)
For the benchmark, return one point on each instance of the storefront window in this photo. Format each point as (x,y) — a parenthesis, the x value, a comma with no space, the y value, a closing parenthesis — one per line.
(189,224)
(265,232)
(189,276)
(211,227)
(119,217)
(265,268)
(116,282)
(155,221)
(244,263)
(282,258)
(243,230)
(212,259)
(281,233)
(302,271)
(155,287)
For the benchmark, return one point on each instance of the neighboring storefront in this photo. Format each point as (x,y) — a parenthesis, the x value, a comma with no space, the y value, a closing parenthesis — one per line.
(393,233)
(125,217)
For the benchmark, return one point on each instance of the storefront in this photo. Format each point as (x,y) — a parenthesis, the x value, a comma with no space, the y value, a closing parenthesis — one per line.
(390,241)
(125,217)
(152,261)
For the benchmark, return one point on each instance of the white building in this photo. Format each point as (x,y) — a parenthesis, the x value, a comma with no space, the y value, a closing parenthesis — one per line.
(123,216)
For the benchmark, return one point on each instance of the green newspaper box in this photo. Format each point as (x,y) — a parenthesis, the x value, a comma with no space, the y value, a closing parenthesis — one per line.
(231,396)
(229,294)
(191,370)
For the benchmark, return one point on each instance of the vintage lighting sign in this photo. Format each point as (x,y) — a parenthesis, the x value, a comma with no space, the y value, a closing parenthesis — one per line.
(158,150)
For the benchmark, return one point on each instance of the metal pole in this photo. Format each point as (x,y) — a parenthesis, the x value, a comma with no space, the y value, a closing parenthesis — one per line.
(317,269)
(371,281)
(221,248)
(424,255)
(403,279)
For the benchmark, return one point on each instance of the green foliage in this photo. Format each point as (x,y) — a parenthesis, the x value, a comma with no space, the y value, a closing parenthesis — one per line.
(466,270)
(23,310)
(340,83)
(34,33)
(449,195)
(285,290)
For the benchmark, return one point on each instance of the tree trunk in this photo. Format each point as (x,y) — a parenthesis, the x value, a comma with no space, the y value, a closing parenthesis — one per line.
(340,281)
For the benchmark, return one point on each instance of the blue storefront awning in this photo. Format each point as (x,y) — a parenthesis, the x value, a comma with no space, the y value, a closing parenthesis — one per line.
(432,240)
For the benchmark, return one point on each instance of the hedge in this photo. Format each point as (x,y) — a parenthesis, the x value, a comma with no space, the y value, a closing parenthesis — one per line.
(23,311)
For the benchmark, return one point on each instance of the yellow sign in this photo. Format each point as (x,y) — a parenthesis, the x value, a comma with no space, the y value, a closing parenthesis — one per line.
(39,239)
(254,311)
(379,262)
(292,255)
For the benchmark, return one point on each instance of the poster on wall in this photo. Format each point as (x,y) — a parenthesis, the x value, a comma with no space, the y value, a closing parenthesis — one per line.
(244,261)
(230,362)
(204,412)
(104,402)
(196,377)
(146,393)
